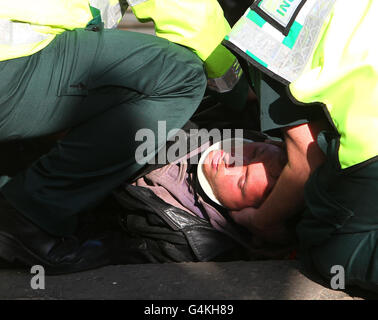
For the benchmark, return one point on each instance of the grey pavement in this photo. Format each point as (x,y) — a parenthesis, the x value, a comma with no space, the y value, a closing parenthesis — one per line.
(239,280)
(130,23)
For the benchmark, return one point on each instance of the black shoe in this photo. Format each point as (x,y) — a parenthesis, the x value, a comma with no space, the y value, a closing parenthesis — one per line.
(22,241)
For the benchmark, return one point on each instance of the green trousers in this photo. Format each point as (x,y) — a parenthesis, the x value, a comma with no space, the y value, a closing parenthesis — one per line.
(105,87)
(340,224)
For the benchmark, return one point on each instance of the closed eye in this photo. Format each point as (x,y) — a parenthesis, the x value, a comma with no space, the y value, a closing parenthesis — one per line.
(241,182)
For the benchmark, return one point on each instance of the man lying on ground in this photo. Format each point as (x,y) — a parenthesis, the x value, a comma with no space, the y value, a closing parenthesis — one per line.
(174,215)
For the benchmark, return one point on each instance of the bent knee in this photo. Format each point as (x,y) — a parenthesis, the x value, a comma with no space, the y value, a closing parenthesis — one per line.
(355,255)
(185,69)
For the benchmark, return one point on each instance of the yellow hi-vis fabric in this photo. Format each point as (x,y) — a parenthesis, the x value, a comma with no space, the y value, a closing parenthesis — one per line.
(343,74)
(197,24)
(37,23)
(27,26)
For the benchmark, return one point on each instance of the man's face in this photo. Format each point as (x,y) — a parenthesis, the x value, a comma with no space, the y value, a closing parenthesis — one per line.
(247,185)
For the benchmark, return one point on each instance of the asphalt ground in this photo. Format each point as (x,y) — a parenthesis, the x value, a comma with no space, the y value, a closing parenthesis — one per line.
(238,280)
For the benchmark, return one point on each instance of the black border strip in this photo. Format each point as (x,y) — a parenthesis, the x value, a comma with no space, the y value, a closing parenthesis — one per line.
(284,30)
(229,45)
(360,165)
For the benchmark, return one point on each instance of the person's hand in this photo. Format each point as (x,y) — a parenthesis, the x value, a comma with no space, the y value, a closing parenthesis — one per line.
(276,233)
(245,217)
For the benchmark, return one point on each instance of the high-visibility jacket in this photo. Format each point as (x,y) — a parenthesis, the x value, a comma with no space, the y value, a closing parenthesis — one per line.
(343,74)
(325,51)
(26,27)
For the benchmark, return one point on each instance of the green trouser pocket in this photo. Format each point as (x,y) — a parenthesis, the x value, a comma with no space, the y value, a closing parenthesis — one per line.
(78,50)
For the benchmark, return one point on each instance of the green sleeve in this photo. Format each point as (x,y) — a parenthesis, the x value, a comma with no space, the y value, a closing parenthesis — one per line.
(277,110)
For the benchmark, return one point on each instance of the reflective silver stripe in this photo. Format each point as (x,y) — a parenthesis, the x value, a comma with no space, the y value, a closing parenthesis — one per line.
(110,14)
(18,33)
(135,2)
(280,11)
(228,81)
(267,48)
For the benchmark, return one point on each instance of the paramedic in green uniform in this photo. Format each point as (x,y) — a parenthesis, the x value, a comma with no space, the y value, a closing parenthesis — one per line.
(332,167)
(60,69)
